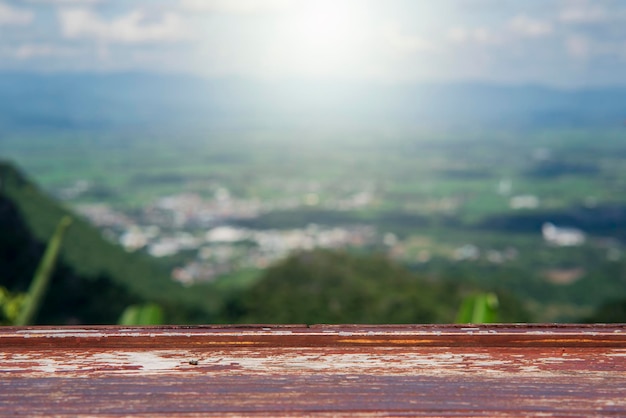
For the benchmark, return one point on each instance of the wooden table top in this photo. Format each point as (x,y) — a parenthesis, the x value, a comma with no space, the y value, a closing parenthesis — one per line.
(299,370)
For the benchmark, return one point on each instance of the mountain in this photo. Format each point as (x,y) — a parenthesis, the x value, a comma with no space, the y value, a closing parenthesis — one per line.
(94,280)
(142,100)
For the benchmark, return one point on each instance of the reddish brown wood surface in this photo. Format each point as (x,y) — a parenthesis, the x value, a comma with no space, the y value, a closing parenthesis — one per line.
(536,370)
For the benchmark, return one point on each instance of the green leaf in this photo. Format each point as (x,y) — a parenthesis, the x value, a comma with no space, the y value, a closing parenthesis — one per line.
(41,281)
(148,314)
(479,309)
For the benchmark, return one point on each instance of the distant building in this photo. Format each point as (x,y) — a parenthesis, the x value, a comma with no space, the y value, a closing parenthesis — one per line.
(467,252)
(226,234)
(527,201)
(562,237)
(505,186)
(133,239)
(164,248)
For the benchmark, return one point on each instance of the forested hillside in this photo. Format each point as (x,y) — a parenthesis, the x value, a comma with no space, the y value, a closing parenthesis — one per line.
(336,287)
(95,280)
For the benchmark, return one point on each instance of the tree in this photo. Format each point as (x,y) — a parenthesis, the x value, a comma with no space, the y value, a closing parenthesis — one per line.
(338,287)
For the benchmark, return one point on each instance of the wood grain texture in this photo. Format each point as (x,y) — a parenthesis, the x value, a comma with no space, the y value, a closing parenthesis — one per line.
(430,370)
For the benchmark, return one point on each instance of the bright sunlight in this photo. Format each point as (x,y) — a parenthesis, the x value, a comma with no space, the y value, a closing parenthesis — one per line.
(323,37)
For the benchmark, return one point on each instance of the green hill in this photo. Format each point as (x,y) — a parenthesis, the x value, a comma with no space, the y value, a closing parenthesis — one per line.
(94,280)
(338,287)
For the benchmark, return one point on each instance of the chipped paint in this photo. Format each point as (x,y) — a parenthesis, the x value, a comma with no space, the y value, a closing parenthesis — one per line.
(506,370)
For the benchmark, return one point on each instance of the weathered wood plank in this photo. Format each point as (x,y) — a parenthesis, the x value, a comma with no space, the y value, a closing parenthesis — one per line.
(507,370)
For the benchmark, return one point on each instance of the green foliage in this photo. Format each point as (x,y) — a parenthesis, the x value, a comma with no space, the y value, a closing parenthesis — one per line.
(10,306)
(610,312)
(43,275)
(148,314)
(337,287)
(84,249)
(479,309)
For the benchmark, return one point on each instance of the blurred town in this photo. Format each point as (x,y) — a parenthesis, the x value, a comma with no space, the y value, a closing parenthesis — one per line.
(208,240)
(208,229)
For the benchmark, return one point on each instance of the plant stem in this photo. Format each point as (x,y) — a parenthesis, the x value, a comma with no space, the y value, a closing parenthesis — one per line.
(41,280)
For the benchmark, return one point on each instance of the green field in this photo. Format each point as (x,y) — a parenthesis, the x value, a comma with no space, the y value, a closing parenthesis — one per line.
(436,192)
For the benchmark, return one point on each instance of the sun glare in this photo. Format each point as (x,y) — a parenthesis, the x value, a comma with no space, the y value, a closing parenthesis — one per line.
(323,25)
(324,37)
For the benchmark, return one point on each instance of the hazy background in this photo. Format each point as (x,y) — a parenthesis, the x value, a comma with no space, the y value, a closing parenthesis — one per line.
(321,63)
(458,147)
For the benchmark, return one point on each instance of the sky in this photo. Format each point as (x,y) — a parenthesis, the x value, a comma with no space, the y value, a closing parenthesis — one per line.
(549,42)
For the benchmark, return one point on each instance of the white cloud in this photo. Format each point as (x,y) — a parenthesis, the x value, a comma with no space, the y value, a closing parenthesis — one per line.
(28,51)
(578,46)
(476,35)
(583,12)
(518,27)
(584,47)
(64,2)
(236,6)
(133,27)
(458,34)
(14,16)
(485,36)
(529,27)
(492,39)
(404,43)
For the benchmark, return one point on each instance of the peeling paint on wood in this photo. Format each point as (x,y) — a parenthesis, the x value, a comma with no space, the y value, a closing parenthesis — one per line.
(505,370)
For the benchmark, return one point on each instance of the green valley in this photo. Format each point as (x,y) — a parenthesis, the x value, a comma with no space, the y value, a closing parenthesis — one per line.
(215,210)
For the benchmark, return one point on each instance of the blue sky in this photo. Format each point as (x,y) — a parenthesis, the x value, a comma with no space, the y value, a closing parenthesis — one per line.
(552,42)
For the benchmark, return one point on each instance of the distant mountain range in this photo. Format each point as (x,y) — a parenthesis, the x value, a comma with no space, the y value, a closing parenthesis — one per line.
(137,101)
